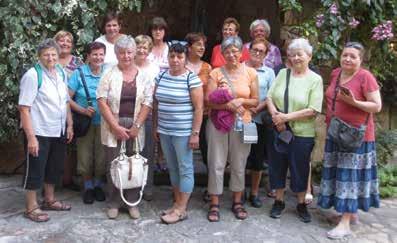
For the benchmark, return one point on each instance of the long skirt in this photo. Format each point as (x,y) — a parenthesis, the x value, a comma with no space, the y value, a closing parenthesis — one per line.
(349,179)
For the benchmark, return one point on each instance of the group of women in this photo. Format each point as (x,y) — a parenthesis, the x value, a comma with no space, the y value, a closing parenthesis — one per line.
(147,90)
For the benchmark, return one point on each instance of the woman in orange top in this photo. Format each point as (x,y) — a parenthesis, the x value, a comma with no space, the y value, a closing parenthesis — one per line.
(196,48)
(229,146)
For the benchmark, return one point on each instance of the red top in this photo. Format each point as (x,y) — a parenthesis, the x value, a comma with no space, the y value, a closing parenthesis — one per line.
(217,59)
(363,82)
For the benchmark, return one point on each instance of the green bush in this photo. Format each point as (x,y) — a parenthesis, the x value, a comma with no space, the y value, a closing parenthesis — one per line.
(25,23)
(388,181)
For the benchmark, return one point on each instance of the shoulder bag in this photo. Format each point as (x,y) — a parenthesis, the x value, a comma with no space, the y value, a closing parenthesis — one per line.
(129,172)
(81,123)
(347,137)
(249,132)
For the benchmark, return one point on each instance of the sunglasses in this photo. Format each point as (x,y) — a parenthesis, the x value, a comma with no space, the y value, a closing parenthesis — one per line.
(354,45)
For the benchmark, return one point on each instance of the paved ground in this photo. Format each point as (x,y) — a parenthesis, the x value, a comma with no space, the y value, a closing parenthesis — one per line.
(90,224)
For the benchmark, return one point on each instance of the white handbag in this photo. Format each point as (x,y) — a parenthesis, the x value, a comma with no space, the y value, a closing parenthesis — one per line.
(129,172)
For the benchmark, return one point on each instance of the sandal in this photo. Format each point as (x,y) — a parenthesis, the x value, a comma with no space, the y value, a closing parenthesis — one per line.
(271,193)
(35,216)
(174,217)
(55,206)
(239,211)
(213,213)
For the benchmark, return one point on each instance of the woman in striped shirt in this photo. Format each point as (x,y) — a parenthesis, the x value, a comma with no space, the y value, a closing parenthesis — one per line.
(177,116)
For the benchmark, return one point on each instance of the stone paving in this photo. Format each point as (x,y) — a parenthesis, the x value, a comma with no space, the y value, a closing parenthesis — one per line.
(88,223)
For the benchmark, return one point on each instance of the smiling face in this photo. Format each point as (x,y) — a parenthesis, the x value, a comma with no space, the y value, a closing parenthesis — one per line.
(258,52)
(259,31)
(229,30)
(125,56)
(112,29)
(96,57)
(197,48)
(299,58)
(65,44)
(350,59)
(232,55)
(49,57)
(142,50)
(158,34)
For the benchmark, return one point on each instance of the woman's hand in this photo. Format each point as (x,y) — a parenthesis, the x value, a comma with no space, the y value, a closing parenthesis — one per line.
(194,141)
(69,134)
(121,133)
(346,96)
(133,132)
(279,118)
(89,111)
(33,146)
(236,106)
(281,127)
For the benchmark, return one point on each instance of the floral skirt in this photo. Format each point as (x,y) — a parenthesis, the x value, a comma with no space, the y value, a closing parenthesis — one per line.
(349,180)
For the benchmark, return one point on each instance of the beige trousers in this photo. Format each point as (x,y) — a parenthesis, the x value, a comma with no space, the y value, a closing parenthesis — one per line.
(222,148)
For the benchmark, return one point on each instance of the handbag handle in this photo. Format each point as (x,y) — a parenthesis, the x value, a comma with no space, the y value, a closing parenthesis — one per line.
(336,92)
(140,193)
(123,149)
(87,94)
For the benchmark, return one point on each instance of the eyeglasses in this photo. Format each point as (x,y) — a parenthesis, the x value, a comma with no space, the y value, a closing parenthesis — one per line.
(257,51)
(354,45)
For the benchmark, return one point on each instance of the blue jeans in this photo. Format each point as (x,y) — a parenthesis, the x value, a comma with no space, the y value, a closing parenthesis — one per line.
(179,159)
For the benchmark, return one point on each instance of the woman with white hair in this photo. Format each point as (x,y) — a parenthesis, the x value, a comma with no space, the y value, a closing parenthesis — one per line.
(125,99)
(260,28)
(227,145)
(293,115)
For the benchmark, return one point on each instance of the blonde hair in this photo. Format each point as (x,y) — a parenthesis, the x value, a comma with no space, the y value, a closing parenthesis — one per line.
(144,39)
(63,33)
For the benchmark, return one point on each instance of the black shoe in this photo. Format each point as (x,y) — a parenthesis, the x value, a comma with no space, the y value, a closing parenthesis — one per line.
(99,194)
(277,209)
(303,213)
(255,201)
(89,196)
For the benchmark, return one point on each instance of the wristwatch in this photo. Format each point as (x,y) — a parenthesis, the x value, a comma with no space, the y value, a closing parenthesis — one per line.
(137,125)
(195,133)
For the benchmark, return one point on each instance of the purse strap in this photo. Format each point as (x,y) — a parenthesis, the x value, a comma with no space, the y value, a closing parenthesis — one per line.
(336,93)
(286,91)
(87,94)
(228,81)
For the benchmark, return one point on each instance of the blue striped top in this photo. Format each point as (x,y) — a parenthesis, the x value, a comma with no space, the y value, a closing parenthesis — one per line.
(175,108)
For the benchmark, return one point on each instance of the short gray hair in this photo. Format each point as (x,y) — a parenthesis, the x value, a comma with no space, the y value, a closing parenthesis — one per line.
(263,22)
(300,43)
(47,44)
(124,42)
(232,41)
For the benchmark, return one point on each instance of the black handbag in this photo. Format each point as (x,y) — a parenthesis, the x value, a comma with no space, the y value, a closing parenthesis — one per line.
(81,123)
(284,138)
(347,137)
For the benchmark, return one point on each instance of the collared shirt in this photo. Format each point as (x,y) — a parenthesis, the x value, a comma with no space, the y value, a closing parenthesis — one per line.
(48,103)
(265,79)
(273,56)
(76,85)
(109,88)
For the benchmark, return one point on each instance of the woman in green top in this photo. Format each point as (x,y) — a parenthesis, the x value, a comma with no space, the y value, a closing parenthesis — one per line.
(305,95)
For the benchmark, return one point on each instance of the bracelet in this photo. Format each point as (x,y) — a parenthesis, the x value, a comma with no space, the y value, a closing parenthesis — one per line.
(195,133)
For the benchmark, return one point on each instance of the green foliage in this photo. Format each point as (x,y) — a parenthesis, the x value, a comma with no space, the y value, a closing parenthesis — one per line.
(290,5)
(25,23)
(386,145)
(388,181)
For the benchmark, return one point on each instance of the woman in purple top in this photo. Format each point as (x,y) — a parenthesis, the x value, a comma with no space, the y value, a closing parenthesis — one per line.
(260,28)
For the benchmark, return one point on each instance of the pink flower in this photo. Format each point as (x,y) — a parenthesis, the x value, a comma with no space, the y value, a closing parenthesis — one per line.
(333,9)
(383,31)
(353,23)
(319,20)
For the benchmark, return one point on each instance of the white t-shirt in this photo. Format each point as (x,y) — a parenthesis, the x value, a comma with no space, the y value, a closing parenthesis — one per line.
(161,61)
(110,57)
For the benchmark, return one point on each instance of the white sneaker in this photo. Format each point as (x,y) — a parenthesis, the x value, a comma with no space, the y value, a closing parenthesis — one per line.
(338,234)
(134,212)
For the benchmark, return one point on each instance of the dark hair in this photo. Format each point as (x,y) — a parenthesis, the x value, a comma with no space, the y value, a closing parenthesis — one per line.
(193,37)
(178,48)
(158,23)
(231,20)
(111,15)
(94,46)
(356,45)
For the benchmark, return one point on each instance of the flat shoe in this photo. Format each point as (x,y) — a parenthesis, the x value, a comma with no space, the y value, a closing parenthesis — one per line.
(55,206)
(174,217)
(112,213)
(134,213)
(335,234)
(35,216)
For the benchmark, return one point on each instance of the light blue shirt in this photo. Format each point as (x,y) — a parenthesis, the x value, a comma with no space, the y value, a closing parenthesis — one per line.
(265,79)
(76,85)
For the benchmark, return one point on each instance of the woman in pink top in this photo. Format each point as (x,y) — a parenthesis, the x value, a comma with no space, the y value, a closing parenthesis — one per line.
(349,178)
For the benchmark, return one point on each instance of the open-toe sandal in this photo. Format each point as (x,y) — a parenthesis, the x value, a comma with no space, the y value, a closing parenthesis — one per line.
(213,213)
(239,211)
(56,206)
(174,217)
(35,216)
